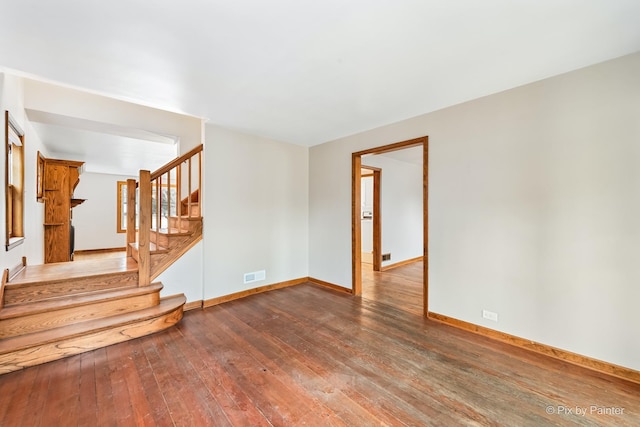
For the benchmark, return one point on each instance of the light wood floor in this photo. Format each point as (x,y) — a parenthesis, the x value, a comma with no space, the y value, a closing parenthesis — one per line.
(106,254)
(85,266)
(308,355)
(399,287)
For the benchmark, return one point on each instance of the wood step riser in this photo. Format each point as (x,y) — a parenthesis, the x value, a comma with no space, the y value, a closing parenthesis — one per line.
(195,209)
(167,240)
(69,315)
(173,242)
(43,290)
(14,361)
(175,246)
(134,252)
(161,261)
(183,223)
(136,255)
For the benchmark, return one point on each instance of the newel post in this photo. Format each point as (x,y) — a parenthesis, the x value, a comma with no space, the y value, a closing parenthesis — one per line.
(131,214)
(144,254)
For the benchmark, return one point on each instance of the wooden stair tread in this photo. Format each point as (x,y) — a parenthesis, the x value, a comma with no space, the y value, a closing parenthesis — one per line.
(187,217)
(173,232)
(153,248)
(73,269)
(166,305)
(85,298)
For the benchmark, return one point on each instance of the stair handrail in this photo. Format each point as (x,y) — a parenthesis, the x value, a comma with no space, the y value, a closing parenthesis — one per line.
(150,183)
(9,274)
(177,161)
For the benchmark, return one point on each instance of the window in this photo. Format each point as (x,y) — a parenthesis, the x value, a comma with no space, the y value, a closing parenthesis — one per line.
(122,207)
(14,182)
(168,204)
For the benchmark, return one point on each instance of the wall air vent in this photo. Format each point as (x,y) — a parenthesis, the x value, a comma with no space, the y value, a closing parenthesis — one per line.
(255,276)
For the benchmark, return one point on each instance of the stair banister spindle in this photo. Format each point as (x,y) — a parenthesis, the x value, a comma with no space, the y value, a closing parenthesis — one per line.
(158,202)
(199,183)
(190,190)
(150,188)
(163,183)
(179,194)
(131,214)
(169,198)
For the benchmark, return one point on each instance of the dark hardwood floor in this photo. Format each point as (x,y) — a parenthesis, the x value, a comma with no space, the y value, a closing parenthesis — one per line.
(307,355)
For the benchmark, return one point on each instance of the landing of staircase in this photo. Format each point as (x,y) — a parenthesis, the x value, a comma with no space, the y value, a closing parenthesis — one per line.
(73,269)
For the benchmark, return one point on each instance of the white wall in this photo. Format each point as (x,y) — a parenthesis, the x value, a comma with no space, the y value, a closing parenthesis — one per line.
(61,100)
(95,219)
(256,211)
(533,209)
(185,275)
(366,227)
(401,206)
(11,99)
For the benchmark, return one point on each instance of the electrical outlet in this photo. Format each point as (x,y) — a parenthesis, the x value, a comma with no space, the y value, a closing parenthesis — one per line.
(490,315)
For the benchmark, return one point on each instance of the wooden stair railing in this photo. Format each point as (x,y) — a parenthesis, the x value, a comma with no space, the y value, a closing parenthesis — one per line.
(7,275)
(56,310)
(163,209)
(52,311)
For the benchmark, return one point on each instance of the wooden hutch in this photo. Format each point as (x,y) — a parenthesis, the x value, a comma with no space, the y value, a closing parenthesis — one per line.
(57,179)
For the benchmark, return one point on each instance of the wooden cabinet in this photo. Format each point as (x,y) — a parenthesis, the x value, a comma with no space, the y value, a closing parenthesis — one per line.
(58,181)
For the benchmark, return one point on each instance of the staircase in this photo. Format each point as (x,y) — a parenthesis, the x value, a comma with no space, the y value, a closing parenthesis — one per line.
(169,244)
(52,311)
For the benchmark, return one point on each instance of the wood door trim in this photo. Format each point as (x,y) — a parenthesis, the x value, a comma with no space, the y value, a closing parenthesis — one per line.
(394,147)
(356,226)
(356,229)
(377,221)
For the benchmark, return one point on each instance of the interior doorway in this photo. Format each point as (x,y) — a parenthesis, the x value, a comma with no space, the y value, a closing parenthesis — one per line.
(370,216)
(356,198)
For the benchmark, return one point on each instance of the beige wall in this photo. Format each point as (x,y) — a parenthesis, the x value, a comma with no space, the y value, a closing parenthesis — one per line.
(401,206)
(534,207)
(256,211)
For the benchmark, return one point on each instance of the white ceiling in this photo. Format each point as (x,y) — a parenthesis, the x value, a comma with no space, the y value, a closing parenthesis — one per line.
(309,71)
(105,148)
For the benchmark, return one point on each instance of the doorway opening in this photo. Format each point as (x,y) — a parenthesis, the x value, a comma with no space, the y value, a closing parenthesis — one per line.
(370,216)
(356,204)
